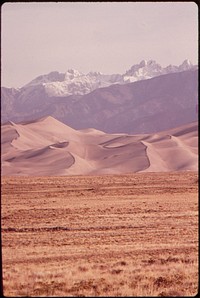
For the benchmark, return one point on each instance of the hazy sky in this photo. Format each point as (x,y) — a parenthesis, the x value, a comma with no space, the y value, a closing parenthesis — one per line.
(40,37)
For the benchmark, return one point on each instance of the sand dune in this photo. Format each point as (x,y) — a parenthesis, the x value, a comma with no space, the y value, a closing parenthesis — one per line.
(49,147)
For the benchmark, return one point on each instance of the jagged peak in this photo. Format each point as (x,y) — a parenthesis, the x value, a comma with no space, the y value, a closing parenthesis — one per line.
(187,62)
(186,65)
(143,63)
(95,73)
(73,72)
(50,77)
(152,62)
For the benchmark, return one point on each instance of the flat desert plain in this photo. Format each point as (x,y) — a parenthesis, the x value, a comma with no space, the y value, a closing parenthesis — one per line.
(109,235)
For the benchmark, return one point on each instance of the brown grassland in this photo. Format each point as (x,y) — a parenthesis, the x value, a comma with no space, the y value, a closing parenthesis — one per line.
(109,235)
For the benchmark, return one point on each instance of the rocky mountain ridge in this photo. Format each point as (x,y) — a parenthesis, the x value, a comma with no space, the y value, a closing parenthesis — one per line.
(74,82)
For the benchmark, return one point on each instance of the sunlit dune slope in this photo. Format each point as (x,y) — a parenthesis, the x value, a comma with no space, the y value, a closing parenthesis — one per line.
(49,147)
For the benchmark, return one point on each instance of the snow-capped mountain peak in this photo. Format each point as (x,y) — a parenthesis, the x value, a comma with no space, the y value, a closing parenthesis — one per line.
(73,82)
(187,64)
(53,76)
(143,63)
(144,70)
(72,73)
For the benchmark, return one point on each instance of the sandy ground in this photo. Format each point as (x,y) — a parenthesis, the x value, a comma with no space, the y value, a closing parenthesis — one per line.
(47,147)
(110,235)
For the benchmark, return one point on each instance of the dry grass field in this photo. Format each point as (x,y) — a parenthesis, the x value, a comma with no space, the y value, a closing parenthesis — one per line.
(111,235)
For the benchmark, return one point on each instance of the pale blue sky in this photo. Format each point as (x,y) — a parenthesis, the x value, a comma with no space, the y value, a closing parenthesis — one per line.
(40,37)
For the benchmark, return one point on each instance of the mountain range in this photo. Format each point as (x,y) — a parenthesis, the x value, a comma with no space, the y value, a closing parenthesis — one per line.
(48,147)
(145,99)
(74,82)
